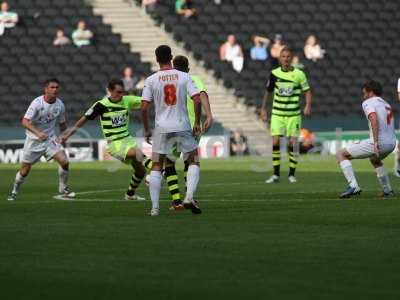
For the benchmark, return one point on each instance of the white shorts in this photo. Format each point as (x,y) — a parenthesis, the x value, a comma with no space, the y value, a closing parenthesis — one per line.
(35,149)
(365,149)
(167,143)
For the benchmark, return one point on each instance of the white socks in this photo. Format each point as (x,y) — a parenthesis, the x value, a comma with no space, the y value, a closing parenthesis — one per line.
(19,179)
(348,172)
(193,177)
(62,179)
(155,187)
(383,179)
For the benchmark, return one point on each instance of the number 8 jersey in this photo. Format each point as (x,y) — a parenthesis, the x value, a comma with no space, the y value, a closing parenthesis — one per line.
(168,89)
(385,119)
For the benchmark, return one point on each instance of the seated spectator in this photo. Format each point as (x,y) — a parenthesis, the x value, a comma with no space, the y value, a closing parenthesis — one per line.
(61,39)
(149,6)
(259,51)
(8,19)
(238,143)
(140,85)
(185,8)
(276,49)
(312,50)
(130,80)
(232,52)
(296,63)
(82,36)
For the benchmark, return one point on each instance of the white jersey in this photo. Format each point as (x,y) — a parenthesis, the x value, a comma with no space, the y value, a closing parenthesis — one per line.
(44,116)
(168,89)
(385,119)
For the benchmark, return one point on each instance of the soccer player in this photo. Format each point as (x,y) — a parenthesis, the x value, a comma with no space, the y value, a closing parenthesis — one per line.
(114,120)
(40,120)
(181,63)
(168,89)
(285,86)
(381,143)
(397,162)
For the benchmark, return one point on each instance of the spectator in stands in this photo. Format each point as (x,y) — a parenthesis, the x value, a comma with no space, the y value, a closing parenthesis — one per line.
(8,19)
(140,85)
(259,51)
(130,80)
(61,39)
(185,8)
(239,145)
(297,63)
(276,49)
(312,50)
(149,6)
(82,36)
(232,52)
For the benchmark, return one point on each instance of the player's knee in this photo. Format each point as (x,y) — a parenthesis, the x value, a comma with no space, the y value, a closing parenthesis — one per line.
(25,169)
(64,163)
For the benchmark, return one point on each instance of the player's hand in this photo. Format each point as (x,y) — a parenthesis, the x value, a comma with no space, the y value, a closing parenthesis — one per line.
(147,135)
(307,110)
(207,124)
(196,129)
(42,136)
(264,115)
(377,149)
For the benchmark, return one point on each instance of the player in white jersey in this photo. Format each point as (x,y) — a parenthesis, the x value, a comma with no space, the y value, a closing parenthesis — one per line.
(397,161)
(381,143)
(167,89)
(40,120)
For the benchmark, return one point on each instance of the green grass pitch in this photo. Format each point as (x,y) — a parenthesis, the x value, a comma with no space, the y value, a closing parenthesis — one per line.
(282,241)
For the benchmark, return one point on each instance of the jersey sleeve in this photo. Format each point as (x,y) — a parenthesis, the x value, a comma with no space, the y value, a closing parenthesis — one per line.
(147,94)
(95,110)
(191,87)
(32,111)
(303,82)
(368,108)
(61,117)
(134,102)
(271,83)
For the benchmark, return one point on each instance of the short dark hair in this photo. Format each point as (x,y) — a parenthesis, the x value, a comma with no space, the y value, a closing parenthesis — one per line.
(163,54)
(114,82)
(51,80)
(373,86)
(181,63)
(287,49)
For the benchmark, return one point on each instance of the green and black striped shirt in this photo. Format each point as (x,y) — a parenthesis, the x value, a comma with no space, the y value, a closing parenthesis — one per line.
(287,87)
(114,116)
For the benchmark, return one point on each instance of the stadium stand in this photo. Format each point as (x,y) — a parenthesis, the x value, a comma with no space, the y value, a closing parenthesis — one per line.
(28,57)
(368,48)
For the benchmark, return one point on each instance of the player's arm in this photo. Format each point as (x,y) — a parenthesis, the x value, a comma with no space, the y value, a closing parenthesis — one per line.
(373,119)
(27,123)
(197,114)
(268,96)
(205,103)
(68,133)
(135,102)
(305,87)
(145,119)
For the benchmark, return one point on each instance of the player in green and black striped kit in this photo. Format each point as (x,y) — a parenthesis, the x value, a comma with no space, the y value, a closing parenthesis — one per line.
(285,86)
(114,120)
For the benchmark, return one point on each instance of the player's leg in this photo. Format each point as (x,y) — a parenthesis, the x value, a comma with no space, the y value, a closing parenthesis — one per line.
(133,156)
(19,180)
(360,150)
(278,129)
(382,175)
(63,174)
(185,170)
(293,131)
(397,161)
(32,152)
(155,182)
(171,177)
(193,178)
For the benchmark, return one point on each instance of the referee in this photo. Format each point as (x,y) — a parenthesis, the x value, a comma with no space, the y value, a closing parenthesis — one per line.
(285,86)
